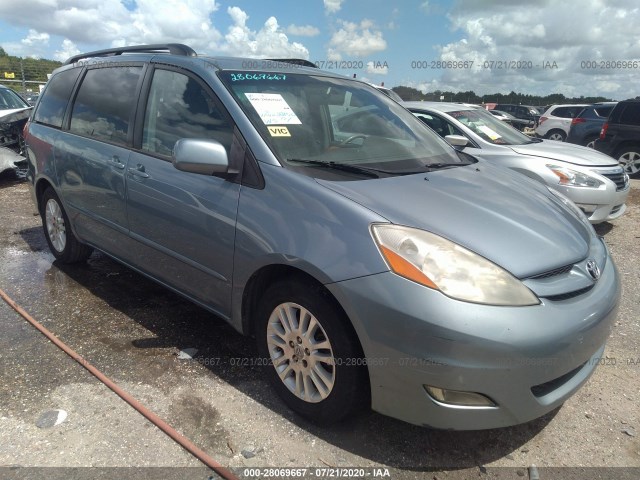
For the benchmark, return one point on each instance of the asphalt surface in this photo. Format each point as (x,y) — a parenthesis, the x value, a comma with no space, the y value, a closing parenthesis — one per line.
(196,373)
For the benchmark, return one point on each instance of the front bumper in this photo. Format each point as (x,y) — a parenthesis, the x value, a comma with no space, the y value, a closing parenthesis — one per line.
(414,336)
(599,204)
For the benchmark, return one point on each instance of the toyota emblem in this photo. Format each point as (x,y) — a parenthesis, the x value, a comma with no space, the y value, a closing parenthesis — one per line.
(593,269)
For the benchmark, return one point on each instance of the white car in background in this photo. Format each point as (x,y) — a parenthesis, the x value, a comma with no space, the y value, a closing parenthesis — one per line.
(554,124)
(595,182)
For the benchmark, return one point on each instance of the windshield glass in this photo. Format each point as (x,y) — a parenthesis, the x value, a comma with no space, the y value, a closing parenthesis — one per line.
(10,100)
(490,128)
(313,123)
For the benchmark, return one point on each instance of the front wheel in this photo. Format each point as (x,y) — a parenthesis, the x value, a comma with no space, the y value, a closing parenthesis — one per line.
(312,356)
(62,242)
(629,159)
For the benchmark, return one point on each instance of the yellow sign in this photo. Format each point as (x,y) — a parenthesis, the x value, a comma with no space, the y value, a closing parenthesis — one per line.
(9,75)
(279,131)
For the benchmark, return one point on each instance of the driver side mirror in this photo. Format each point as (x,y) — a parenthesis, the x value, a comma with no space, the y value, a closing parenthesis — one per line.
(206,157)
(457,140)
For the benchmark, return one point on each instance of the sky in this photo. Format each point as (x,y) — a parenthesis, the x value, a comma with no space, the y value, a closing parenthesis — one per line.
(573,47)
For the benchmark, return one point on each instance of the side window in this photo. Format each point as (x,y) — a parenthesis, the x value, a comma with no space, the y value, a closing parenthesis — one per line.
(631,114)
(55,98)
(435,123)
(603,111)
(179,107)
(105,103)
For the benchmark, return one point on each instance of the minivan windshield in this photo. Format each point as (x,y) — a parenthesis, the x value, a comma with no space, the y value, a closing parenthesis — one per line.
(489,128)
(315,122)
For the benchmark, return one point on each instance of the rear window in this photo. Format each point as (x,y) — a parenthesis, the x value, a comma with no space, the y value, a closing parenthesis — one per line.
(566,112)
(603,111)
(105,103)
(631,114)
(55,98)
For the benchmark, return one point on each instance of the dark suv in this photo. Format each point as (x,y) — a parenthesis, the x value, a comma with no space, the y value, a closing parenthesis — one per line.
(585,128)
(523,112)
(620,135)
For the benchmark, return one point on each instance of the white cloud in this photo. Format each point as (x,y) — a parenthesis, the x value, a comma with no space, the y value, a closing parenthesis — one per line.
(36,39)
(303,30)
(97,24)
(333,55)
(357,40)
(332,6)
(269,41)
(379,68)
(536,35)
(67,49)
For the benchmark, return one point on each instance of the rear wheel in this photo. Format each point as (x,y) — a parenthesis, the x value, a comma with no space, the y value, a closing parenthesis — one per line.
(629,158)
(62,242)
(311,355)
(590,142)
(557,135)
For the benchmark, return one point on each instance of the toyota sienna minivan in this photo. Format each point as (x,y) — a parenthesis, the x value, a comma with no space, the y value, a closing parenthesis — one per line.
(374,264)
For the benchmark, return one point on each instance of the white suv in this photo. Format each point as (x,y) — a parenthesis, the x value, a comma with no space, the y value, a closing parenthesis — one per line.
(555,122)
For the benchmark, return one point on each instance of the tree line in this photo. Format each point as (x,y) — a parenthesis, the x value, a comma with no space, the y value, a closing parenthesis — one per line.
(413,94)
(27,69)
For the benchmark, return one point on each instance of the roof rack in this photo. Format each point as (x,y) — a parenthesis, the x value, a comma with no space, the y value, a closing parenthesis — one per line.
(294,61)
(172,48)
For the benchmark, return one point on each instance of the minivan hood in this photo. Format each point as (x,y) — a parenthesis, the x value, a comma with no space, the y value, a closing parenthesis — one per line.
(499,214)
(566,152)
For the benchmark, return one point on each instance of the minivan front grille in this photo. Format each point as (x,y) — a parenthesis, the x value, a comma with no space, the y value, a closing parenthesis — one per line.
(566,296)
(553,273)
(619,178)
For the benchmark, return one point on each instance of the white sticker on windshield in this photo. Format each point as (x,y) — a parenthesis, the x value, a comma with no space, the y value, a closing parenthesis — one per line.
(492,134)
(273,109)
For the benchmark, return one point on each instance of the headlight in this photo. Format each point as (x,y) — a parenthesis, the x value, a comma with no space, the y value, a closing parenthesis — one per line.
(572,178)
(440,264)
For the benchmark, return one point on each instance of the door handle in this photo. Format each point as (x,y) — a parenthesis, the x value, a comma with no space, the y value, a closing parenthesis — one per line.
(138,171)
(115,161)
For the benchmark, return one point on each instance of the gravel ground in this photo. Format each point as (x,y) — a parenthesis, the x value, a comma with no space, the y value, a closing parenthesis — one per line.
(134,331)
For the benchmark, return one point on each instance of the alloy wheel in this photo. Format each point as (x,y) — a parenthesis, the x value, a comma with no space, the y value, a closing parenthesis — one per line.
(56,228)
(301,352)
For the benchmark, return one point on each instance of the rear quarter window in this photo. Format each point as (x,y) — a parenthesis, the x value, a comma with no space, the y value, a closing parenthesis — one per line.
(631,114)
(56,97)
(105,103)
(603,111)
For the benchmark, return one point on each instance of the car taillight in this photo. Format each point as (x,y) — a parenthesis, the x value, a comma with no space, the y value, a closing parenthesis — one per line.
(577,120)
(603,132)
(542,119)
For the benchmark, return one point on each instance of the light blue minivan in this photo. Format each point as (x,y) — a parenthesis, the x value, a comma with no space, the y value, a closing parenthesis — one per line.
(374,264)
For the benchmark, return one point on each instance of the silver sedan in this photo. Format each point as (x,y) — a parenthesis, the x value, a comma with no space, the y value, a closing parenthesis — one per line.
(595,182)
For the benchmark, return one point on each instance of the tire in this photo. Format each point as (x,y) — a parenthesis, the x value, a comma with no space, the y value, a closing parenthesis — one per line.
(629,158)
(590,142)
(299,330)
(557,135)
(62,242)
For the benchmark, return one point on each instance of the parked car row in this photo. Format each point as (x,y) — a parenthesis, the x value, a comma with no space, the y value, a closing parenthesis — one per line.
(620,135)
(610,127)
(595,182)
(374,264)
(554,123)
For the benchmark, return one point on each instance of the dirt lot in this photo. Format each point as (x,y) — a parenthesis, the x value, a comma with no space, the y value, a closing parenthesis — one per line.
(134,330)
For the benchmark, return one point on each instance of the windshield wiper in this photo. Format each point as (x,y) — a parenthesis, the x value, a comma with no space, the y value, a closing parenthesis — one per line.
(345,167)
(441,166)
